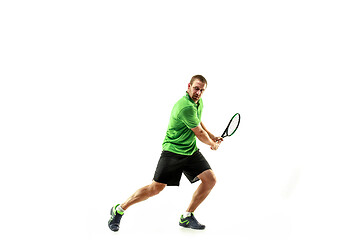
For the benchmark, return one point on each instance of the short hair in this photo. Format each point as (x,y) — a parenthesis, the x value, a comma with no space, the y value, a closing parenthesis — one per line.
(198,77)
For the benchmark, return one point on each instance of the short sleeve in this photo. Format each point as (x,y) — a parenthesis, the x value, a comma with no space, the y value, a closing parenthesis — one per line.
(189,117)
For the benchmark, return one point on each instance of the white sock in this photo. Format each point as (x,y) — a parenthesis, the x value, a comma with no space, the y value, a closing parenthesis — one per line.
(187,214)
(119,209)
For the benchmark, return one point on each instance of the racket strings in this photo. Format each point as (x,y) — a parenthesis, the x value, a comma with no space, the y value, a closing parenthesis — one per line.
(233,124)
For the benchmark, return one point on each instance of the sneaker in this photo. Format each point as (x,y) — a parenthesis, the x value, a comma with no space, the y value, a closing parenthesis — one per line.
(115,218)
(190,222)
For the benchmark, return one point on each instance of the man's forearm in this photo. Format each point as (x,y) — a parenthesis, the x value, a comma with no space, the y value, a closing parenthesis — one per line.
(204,137)
(207,131)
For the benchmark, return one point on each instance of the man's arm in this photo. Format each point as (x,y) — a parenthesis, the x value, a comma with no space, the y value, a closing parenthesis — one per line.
(203,136)
(212,136)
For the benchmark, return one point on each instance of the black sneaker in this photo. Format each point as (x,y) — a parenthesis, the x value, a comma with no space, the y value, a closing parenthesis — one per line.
(190,222)
(115,218)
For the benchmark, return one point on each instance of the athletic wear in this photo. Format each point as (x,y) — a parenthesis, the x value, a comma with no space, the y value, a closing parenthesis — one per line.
(185,115)
(114,222)
(172,165)
(190,222)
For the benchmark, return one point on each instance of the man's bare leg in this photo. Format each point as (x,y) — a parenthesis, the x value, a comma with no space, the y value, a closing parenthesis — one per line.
(208,181)
(143,193)
(140,195)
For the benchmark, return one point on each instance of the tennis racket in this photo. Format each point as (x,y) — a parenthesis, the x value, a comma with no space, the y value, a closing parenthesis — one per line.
(232,126)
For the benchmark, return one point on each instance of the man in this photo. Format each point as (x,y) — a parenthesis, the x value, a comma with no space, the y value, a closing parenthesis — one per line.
(180,155)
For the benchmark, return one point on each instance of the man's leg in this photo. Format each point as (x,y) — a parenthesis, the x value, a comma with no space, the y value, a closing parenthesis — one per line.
(208,181)
(140,195)
(144,193)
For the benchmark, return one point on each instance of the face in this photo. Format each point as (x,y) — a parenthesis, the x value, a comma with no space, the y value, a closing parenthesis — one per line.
(196,90)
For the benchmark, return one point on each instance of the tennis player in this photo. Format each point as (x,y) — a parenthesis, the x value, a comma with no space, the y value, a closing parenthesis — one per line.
(180,155)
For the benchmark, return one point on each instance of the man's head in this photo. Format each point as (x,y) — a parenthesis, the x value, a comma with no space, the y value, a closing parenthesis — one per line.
(196,87)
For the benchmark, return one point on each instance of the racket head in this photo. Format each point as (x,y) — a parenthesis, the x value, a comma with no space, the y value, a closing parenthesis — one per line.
(232,126)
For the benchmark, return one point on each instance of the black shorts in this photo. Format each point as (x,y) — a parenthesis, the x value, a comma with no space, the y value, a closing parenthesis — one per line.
(171,166)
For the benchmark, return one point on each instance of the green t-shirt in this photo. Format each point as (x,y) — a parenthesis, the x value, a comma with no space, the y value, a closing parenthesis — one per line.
(186,114)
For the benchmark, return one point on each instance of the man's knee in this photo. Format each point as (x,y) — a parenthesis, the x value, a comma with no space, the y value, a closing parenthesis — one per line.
(156,188)
(211,181)
(208,177)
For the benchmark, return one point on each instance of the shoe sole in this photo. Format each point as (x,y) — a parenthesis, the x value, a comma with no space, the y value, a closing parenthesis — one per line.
(187,226)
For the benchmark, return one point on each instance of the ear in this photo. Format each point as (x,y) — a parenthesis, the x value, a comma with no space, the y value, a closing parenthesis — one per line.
(189,86)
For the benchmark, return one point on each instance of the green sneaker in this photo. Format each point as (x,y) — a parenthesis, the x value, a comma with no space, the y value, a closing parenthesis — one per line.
(115,218)
(190,222)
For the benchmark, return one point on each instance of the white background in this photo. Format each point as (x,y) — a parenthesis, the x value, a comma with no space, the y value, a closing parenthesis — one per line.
(86,93)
